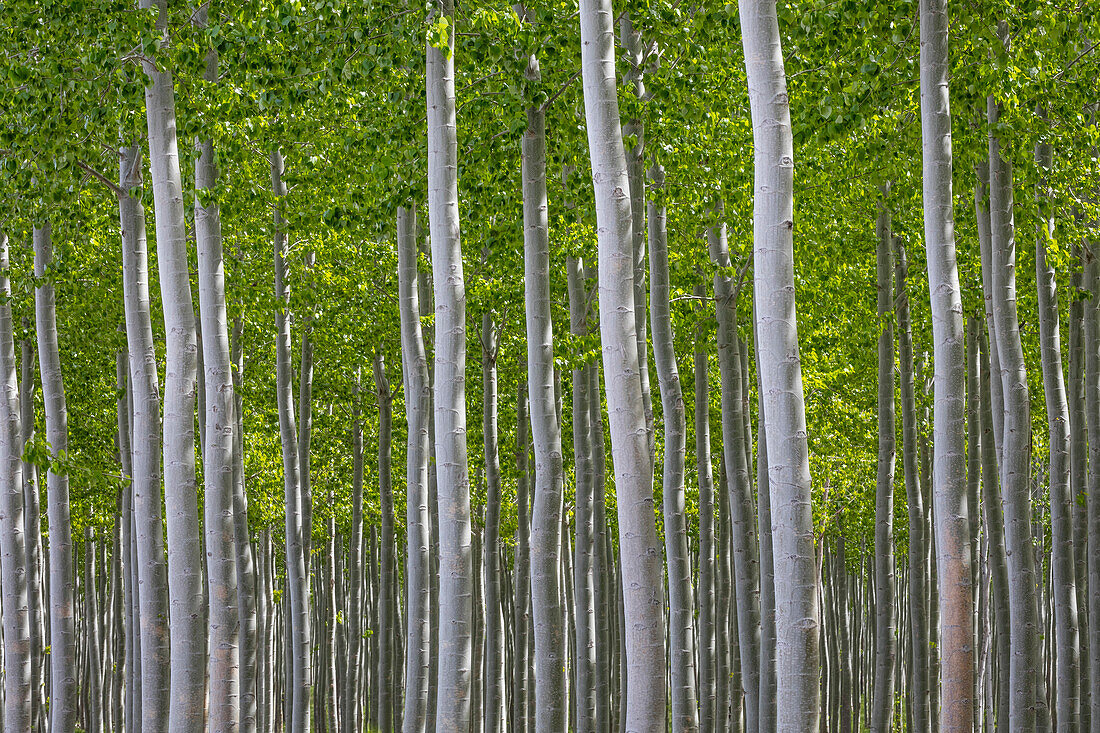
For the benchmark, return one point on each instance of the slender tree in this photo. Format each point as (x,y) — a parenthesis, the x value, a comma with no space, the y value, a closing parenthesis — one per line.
(547,612)
(1061,501)
(13,535)
(299,674)
(685,713)
(798,616)
(882,712)
(638,544)
(63,648)
(417,400)
(951,522)
(150,572)
(455,564)
(1024,706)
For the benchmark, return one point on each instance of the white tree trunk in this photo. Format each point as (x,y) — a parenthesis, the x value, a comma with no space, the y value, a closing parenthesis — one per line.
(187,602)
(299,682)
(149,572)
(13,535)
(798,617)
(417,403)
(224,663)
(685,713)
(452,712)
(639,546)
(950,511)
(63,651)
(546,517)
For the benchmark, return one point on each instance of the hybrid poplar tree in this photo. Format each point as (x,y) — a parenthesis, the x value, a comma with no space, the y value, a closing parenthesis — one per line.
(455,563)
(63,648)
(951,522)
(187,632)
(417,402)
(882,713)
(638,543)
(547,613)
(13,537)
(685,713)
(798,617)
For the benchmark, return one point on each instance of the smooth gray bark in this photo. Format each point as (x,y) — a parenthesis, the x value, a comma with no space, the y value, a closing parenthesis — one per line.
(1067,645)
(218,452)
(992,436)
(547,611)
(1078,458)
(742,538)
(13,535)
(706,586)
(951,514)
(493,673)
(187,612)
(417,403)
(299,683)
(634,147)
(1092,408)
(245,564)
(386,601)
(798,617)
(685,713)
(1024,706)
(150,572)
(63,649)
(585,684)
(521,609)
(638,544)
(452,711)
(32,521)
(882,711)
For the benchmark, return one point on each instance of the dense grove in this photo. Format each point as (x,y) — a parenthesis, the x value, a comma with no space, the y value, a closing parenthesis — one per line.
(621,365)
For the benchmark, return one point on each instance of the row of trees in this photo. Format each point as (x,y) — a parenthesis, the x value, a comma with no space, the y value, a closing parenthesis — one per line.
(552,574)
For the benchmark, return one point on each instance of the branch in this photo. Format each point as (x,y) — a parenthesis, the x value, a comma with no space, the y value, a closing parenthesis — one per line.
(101,178)
(1080,56)
(561,91)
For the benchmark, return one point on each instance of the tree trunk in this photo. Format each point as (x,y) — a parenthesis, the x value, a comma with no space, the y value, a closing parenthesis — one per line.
(185,593)
(493,672)
(521,603)
(746,567)
(882,713)
(386,602)
(299,687)
(586,686)
(245,565)
(13,535)
(417,401)
(634,148)
(32,521)
(952,528)
(1092,407)
(685,714)
(1024,712)
(1061,500)
(638,544)
(992,436)
(706,584)
(219,459)
(796,599)
(63,649)
(149,572)
(548,613)
(455,563)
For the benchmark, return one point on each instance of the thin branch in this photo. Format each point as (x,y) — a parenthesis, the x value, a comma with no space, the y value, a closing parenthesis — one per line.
(101,178)
(561,91)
